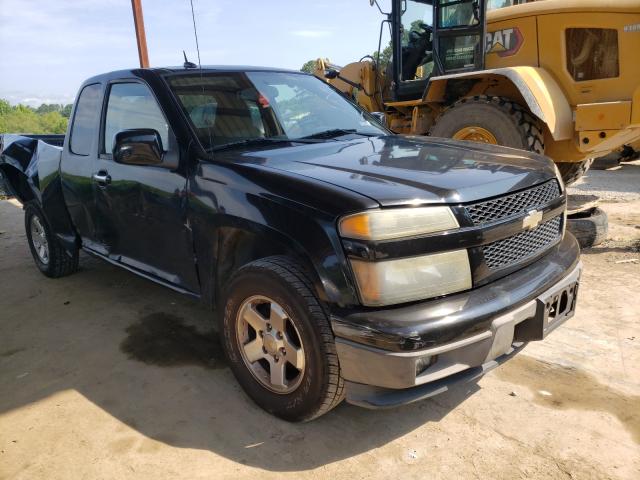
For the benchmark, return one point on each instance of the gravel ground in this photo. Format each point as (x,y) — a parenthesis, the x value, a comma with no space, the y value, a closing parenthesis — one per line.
(618,184)
(106,375)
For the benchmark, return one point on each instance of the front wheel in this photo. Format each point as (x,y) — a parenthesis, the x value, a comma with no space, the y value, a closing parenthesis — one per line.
(279,342)
(494,120)
(48,254)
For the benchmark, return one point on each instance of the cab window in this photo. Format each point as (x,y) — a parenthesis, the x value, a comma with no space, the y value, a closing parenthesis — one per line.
(592,53)
(131,105)
(85,119)
(416,40)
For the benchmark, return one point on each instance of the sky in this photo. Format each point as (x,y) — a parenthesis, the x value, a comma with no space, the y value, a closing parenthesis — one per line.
(48,47)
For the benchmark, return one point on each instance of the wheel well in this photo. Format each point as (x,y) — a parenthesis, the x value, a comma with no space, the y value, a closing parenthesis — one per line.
(531,87)
(238,247)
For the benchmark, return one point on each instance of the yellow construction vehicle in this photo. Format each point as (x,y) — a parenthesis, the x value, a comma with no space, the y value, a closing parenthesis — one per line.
(559,77)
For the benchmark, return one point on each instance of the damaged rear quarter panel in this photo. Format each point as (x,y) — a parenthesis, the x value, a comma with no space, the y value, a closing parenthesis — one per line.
(31,169)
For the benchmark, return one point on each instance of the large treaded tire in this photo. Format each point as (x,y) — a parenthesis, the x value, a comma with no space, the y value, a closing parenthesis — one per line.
(286,282)
(510,124)
(572,171)
(60,262)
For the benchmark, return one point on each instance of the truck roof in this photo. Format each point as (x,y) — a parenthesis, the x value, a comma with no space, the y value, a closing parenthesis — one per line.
(181,69)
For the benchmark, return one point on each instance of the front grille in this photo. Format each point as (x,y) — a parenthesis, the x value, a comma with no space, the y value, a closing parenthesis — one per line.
(522,245)
(513,204)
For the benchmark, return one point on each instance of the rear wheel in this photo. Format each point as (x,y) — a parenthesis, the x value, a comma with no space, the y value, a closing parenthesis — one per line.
(494,120)
(49,255)
(279,342)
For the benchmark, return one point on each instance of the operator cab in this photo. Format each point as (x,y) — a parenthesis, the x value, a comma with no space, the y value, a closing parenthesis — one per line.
(423,48)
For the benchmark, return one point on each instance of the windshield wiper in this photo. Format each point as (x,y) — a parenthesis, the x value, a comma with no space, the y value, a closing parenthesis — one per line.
(249,142)
(336,132)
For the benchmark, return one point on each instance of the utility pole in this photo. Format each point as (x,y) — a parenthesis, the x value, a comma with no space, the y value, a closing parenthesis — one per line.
(141,37)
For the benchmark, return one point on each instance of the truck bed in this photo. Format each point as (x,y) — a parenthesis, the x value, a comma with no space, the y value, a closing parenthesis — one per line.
(51,139)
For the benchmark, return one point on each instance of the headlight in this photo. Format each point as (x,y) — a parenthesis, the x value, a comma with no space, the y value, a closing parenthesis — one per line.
(416,278)
(559,178)
(397,223)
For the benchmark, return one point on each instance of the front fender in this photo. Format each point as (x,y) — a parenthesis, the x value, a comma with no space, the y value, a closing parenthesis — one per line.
(233,226)
(542,94)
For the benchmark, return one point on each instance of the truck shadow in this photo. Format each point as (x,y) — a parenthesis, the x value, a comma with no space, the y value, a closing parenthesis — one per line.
(151,359)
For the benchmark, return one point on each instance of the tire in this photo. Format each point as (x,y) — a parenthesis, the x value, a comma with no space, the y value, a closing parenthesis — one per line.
(57,262)
(590,228)
(509,123)
(611,160)
(572,171)
(285,284)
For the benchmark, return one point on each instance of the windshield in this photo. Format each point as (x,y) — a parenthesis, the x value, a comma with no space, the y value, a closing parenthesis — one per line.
(239,107)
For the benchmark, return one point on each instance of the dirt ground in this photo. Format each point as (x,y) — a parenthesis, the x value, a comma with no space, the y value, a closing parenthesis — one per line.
(106,375)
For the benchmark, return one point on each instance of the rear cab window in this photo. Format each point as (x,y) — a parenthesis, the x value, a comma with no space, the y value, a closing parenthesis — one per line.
(85,119)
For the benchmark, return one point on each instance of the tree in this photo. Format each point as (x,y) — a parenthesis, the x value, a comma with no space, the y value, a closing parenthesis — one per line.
(309,67)
(66,110)
(385,57)
(24,119)
(5,107)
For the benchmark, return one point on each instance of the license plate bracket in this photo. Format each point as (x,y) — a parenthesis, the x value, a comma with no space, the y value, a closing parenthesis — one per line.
(552,310)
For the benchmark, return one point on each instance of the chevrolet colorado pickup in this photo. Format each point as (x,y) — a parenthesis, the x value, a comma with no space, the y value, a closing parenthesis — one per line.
(341,261)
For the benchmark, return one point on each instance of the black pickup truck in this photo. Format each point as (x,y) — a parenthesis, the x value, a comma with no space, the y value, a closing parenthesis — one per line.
(339,259)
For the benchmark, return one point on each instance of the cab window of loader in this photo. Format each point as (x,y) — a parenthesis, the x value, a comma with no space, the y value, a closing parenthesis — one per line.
(592,53)
(457,13)
(458,49)
(495,4)
(416,40)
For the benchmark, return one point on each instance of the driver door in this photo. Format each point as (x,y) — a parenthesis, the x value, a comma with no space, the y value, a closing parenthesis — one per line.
(458,39)
(142,219)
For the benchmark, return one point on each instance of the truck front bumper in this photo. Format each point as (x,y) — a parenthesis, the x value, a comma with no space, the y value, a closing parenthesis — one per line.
(467,334)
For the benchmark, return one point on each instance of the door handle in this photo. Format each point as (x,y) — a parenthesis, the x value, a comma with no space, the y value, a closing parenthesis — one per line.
(101,178)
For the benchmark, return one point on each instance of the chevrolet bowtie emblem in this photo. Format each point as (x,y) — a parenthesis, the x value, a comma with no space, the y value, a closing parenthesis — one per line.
(532,220)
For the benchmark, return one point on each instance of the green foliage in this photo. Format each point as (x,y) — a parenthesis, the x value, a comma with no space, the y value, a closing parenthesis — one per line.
(385,57)
(5,107)
(47,118)
(309,67)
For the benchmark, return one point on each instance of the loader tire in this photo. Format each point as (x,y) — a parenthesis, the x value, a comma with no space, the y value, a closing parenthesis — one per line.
(572,171)
(495,120)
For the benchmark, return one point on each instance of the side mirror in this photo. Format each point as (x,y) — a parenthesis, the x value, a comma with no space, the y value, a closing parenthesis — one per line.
(380,117)
(331,74)
(140,146)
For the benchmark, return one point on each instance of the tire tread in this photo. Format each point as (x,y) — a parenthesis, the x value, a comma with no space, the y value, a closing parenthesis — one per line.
(529,126)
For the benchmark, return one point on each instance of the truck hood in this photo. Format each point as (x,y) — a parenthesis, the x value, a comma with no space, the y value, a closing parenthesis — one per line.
(399,170)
